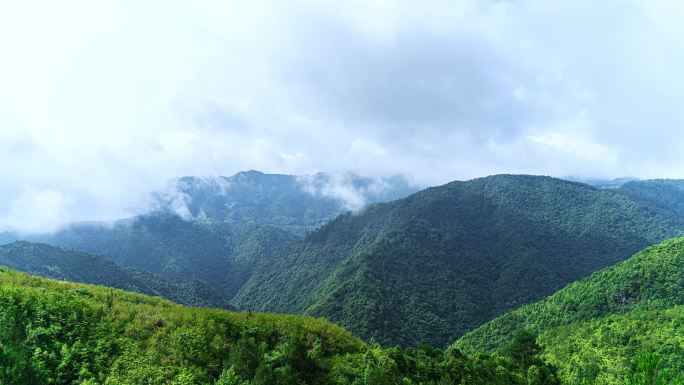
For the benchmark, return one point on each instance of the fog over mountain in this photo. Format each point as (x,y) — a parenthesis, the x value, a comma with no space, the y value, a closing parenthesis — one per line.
(102,103)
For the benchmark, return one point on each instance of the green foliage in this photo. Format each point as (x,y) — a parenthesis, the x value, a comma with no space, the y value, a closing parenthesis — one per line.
(651,279)
(427,365)
(659,194)
(593,329)
(621,325)
(55,332)
(648,372)
(432,266)
(219,255)
(406,272)
(62,333)
(55,262)
(524,350)
(604,350)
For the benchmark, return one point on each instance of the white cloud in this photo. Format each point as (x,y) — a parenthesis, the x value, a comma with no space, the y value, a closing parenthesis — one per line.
(103,102)
(36,210)
(577,147)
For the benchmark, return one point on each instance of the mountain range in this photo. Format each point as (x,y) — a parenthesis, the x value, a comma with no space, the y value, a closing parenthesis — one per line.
(294,203)
(216,230)
(434,265)
(427,268)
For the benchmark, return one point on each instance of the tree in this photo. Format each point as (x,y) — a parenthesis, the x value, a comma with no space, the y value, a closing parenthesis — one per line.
(648,373)
(524,350)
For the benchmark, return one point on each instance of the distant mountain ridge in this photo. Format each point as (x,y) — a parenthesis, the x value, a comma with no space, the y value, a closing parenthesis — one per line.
(604,183)
(661,194)
(220,255)
(297,204)
(54,262)
(214,231)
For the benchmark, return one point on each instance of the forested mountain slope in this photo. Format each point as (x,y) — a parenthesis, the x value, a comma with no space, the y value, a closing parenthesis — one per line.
(432,266)
(652,279)
(604,183)
(214,231)
(55,262)
(661,194)
(65,333)
(220,255)
(594,327)
(603,351)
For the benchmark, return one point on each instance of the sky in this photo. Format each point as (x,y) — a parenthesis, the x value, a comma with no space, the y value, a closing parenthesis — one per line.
(101,103)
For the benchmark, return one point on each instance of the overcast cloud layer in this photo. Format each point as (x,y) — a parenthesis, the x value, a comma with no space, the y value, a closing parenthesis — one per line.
(101,102)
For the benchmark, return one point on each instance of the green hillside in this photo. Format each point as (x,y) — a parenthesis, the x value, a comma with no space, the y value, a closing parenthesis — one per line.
(598,325)
(653,279)
(621,322)
(54,262)
(661,194)
(432,266)
(219,255)
(55,332)
(604,351)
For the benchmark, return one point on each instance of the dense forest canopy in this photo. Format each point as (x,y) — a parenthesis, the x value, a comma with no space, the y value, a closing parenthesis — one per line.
(434,265)
(64,333)
(594,327)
